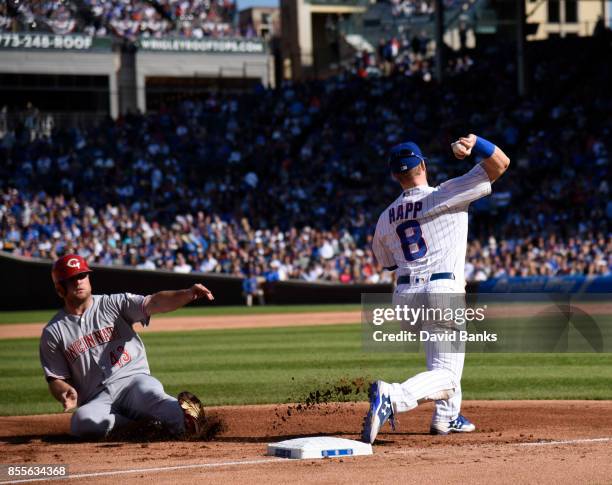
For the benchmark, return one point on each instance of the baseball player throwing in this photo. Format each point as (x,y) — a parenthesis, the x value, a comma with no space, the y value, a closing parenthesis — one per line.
(95,362)
(423,236)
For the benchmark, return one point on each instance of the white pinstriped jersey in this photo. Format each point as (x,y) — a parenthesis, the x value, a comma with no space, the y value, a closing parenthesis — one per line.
(424,231)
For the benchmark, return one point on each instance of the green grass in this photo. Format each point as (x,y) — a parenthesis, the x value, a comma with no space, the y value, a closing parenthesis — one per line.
(276,365)
(43,316)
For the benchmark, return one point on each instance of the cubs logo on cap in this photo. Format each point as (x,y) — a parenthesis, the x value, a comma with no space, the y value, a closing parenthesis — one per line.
(68,266)
(404,157)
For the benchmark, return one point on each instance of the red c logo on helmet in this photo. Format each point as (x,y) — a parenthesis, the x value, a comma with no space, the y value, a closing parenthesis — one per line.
(68,266)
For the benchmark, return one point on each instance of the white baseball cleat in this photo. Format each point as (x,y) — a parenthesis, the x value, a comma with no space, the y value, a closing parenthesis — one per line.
(380,411)
(459,425)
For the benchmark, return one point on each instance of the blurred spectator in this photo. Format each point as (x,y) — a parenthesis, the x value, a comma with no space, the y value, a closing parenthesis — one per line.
(181,265)
(252,287)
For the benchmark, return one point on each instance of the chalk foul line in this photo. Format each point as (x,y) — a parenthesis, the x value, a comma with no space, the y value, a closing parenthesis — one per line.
(566,442)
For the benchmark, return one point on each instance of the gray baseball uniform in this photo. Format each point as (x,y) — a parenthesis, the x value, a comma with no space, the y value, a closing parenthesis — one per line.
(104,359)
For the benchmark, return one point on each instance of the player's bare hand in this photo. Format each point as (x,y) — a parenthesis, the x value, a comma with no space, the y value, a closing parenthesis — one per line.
(460,150)
(468,141)
(200,291)
(463,146)
(69,399)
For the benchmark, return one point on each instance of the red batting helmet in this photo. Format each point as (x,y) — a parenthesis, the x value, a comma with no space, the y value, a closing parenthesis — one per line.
(68,266)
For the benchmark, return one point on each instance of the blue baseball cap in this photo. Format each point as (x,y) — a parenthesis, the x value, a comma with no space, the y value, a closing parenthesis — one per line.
(404,157)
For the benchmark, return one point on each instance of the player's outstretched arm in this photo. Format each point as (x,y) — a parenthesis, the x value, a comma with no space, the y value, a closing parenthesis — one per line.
(495,162)
(167,301)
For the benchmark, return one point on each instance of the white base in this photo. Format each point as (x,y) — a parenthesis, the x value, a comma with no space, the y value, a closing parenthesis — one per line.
(316,447)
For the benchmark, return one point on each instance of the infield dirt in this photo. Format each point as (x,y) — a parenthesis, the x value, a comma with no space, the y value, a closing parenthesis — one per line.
(516,442)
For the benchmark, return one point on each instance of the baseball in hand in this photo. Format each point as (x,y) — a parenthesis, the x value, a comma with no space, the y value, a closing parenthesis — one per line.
(460,150)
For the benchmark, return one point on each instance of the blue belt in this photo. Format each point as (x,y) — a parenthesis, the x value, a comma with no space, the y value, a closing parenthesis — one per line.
(405,280)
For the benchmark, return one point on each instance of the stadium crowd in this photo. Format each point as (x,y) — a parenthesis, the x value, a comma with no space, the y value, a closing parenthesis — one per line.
(131,19)
(53,16)
(415,8)
(409,8)
(128,19)
(184,18)
(411,57)
(289,183)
